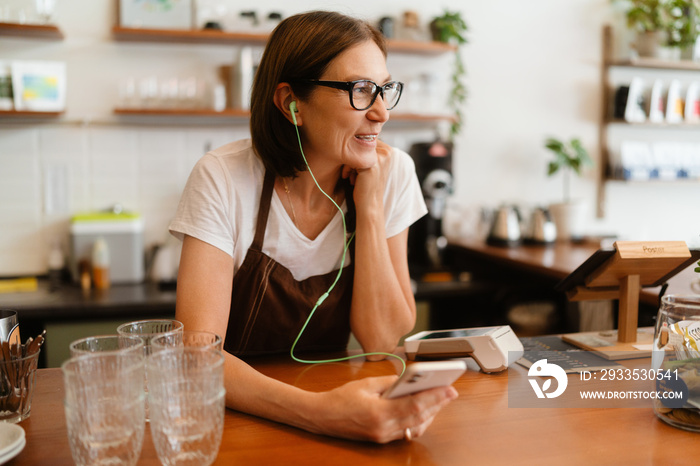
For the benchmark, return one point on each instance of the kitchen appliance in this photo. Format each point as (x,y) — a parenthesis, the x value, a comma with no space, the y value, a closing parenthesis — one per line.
(434,170)
(541,229)
(123,233)
(505,229)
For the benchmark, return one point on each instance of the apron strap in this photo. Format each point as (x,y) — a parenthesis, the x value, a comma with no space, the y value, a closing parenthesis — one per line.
(266,199)
(264,210)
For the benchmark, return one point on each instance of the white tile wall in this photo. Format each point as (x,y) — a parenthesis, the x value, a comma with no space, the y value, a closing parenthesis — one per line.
(20,209)
(142,168)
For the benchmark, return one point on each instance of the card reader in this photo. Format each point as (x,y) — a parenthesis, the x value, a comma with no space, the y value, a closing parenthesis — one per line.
(493,348)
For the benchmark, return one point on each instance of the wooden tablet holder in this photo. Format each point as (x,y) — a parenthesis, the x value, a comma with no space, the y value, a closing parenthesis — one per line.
(635,264)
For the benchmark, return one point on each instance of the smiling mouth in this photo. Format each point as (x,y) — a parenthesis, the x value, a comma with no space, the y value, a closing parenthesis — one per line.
(367,137)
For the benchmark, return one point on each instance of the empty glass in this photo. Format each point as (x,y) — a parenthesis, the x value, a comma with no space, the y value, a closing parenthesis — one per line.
(186,391)
(147,330)
(197,338)
(676,361)
(106,343)
(104,406)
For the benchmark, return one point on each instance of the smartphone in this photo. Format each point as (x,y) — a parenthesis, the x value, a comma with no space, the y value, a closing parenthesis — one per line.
(421,376)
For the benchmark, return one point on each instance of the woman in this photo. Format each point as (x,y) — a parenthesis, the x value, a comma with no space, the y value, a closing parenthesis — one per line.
(262,243)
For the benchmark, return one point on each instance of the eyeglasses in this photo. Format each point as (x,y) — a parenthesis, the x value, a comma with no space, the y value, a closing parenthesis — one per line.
(364,92)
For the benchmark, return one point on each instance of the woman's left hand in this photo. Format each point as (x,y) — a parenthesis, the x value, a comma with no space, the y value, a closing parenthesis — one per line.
(369,183)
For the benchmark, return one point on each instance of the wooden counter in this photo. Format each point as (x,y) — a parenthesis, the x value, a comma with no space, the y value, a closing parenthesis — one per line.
(477,428)
(558,261)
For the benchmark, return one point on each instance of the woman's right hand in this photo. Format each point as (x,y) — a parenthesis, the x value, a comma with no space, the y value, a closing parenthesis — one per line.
(357,410)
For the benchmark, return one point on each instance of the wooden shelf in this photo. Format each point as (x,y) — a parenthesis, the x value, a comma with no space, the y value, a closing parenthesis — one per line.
(34,31)
(28,114)
(606,121)
(183,112)
(653,63)
(422,117)
(649,124)
(238,113)
(185,36)
(206,36)
(655,181)
(416,47)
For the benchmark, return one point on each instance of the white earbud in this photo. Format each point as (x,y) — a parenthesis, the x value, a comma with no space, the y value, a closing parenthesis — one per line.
(293,109)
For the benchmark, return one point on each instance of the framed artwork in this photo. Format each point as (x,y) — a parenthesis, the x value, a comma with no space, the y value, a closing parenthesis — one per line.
(39,86)
(156,14)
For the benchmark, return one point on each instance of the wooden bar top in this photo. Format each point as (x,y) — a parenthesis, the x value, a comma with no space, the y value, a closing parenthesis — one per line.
(477,428)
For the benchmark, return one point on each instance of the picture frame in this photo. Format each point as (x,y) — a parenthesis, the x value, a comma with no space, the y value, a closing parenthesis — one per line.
(156,14)
(39,86)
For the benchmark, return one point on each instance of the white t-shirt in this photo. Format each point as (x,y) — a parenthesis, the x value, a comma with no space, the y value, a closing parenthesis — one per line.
(220,206)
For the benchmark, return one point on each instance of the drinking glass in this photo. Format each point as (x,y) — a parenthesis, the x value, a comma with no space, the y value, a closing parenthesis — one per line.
(104,406)
(147,330)
(676,361)
(106,343)
(186,390)
(17,374)
(196,338)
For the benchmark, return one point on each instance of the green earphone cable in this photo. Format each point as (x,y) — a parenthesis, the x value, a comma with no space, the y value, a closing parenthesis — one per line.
(340,271)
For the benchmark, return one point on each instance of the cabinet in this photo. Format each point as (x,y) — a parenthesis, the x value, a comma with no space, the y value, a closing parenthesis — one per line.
(218,37)
(30,31)
(607,122)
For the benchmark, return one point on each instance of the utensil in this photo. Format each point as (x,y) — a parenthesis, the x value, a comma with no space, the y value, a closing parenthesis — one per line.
(18,364)
(13,339)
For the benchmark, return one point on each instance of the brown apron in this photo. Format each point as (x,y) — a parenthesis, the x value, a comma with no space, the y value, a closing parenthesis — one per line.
(269,307)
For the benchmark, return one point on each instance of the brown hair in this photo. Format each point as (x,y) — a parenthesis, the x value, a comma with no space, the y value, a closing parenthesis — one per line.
(301,47)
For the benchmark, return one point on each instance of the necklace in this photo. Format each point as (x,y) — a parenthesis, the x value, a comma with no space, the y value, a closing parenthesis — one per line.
(291,204)
(289,199)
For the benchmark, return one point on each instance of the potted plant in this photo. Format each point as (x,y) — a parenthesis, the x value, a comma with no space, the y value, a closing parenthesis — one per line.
(664,27)
(569,158)
(450,28)
(683,25)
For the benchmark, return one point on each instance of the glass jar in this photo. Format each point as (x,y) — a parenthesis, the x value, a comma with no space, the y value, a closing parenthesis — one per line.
(676,360)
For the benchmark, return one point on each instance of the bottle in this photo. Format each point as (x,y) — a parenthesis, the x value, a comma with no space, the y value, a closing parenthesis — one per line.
(56,265)
(100,264)
(85,276)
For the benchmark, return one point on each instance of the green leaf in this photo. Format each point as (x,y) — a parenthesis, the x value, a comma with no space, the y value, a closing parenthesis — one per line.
(572,156)
(554,145)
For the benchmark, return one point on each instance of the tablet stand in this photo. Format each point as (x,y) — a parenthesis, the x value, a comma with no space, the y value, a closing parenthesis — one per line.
(633,265)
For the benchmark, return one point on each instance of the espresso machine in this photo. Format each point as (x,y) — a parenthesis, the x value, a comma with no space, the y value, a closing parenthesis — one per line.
(426,242)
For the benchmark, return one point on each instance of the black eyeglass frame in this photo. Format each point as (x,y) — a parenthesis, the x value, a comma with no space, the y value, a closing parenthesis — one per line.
(350,85)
